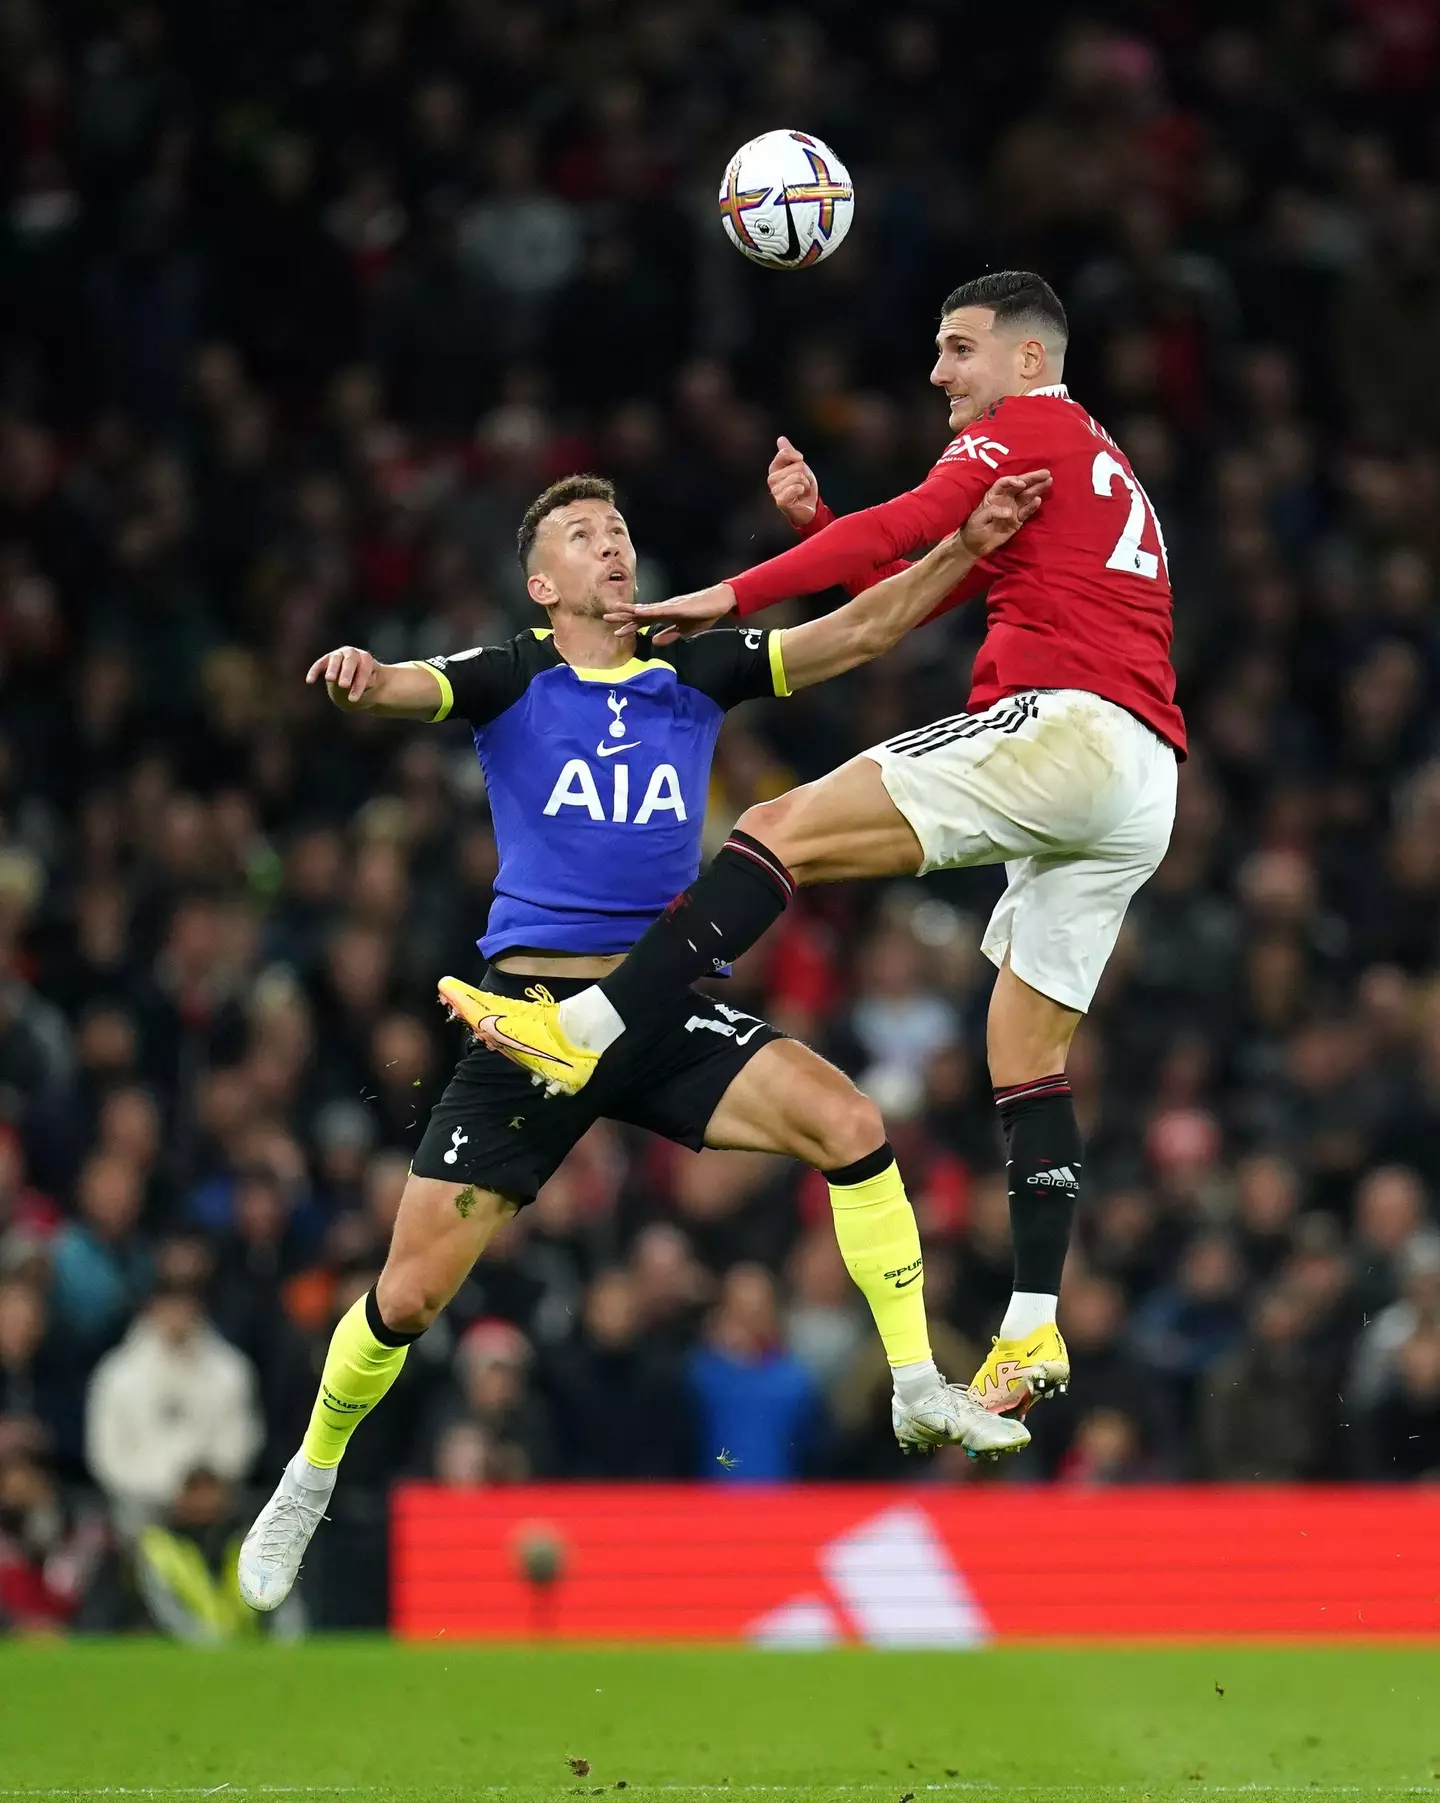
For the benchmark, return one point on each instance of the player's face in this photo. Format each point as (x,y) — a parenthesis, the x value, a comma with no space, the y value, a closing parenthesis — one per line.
(976,365)
(585,554)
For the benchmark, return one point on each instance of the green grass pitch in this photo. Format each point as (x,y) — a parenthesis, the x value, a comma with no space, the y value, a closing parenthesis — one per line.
(374,1722)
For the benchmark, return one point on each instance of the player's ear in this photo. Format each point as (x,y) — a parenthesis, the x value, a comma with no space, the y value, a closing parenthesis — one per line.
(1032,358)
(541,589)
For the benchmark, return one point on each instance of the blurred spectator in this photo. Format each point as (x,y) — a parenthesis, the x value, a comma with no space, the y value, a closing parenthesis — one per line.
(494,1393)
(625,1414)
(671,1287)
(1106,1450)
(172,1398)
(39,1395)
(759,1413)
(462,1458)
(897,1021)
(1391,1208)
(1267,1203)
(23,1208)
(1263,1414)
(185,1565)
(101,1263)
(1394,291)
(1416,1308)
(823,1324)
(1404,1426)
(1191,1322)
(52,1552)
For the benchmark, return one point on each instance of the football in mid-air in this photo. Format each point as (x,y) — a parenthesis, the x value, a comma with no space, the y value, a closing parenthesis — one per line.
(786,201)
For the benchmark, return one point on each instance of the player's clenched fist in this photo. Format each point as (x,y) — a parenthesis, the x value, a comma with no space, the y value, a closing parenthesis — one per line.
(793,487)
(348,673)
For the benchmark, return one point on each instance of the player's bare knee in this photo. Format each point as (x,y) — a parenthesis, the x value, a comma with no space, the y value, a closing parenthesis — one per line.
(850,1127)
(408,1298)
(772,823)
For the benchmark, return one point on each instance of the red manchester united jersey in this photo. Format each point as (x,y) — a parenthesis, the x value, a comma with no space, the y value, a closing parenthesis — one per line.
(1079,598)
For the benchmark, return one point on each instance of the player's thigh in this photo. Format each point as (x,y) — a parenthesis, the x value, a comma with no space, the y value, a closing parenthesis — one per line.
(1037,772)
(493,1139)
(789,1100)
(1057,922)
(440,1230)
(841,827)
(718,1076)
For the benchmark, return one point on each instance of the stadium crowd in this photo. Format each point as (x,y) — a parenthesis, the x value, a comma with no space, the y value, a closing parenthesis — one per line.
(300,304)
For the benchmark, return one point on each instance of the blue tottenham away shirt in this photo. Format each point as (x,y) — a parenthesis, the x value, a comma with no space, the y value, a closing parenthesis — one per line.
(598,778)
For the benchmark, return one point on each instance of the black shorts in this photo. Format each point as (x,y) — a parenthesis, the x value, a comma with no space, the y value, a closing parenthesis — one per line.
(496,1128)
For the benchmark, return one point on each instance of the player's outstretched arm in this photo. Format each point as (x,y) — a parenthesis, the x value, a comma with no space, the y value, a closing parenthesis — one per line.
(868,626)
(354,680)
(847,551)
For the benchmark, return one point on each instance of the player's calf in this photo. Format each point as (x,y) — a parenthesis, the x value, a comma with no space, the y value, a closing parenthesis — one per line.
(363,1361)
(1029,1036)
(440,1231)
(789,1100)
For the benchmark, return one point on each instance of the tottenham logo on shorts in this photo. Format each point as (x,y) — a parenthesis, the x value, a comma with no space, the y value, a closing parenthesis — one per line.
(1006,716)
(457,1139)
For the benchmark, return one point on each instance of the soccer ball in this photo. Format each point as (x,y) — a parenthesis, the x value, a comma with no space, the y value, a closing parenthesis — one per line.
(786,201)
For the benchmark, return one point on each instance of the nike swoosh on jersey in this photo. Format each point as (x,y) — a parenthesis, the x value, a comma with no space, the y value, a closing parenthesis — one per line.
(608,751)
(903,1283)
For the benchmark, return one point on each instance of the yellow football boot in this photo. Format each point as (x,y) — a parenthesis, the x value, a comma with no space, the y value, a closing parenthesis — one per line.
(528,1033)
(1021,1372)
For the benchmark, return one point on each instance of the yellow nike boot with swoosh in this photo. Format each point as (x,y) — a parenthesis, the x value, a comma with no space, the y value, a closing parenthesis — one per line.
(1021,1372)
(527,1032)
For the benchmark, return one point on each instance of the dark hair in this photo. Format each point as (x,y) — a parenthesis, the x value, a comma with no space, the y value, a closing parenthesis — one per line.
(1014,294)
(559,494)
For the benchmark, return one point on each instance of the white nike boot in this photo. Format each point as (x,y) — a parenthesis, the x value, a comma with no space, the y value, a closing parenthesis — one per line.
(949,1416)
(271,1552)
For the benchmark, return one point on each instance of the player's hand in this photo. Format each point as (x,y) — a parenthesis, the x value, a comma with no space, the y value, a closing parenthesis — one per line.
(685,615)
(793,487)
(1004,508)
(348,673)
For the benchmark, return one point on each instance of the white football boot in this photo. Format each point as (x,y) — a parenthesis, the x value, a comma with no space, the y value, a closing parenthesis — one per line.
(271,1552)
(949,1416)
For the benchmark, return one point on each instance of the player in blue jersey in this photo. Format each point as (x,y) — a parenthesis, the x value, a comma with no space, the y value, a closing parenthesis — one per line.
(596,751)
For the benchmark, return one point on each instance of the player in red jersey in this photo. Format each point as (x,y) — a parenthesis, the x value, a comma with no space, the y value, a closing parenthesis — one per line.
(1062,767)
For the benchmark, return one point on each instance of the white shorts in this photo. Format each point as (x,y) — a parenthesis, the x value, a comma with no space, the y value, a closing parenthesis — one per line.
(1075,796)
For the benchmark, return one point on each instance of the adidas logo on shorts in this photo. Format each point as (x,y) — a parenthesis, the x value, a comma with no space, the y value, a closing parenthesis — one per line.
(1057,1177)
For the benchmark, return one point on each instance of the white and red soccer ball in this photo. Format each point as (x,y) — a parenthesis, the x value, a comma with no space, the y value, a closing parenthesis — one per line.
(786,201)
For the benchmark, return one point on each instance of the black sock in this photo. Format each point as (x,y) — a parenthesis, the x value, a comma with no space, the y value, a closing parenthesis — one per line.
(1042,1140)
(722,914)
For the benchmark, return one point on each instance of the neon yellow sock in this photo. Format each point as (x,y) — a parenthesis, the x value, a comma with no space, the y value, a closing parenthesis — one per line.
(880,1243)
(359,1369)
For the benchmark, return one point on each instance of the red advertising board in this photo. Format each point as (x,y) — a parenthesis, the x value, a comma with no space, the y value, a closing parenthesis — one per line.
(913,1566)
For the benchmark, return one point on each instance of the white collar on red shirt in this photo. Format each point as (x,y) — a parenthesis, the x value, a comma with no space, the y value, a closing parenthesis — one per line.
(1058,388)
